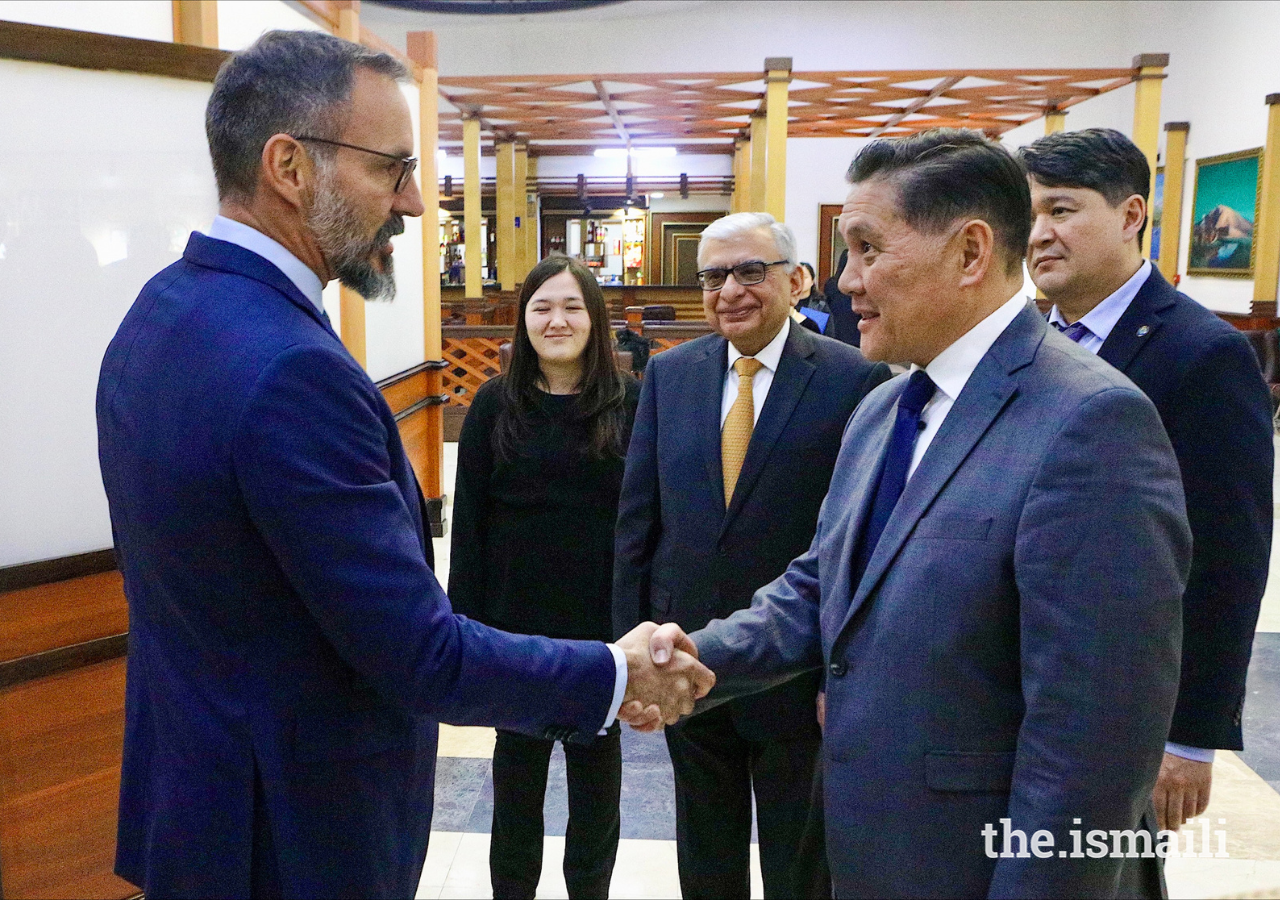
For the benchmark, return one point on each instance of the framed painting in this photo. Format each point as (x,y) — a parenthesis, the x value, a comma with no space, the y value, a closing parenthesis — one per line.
(1157,213)
(1223,214)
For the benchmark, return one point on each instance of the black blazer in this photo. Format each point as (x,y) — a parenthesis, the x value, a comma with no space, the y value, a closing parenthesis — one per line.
(680,555)
(844,321)
(1204,379)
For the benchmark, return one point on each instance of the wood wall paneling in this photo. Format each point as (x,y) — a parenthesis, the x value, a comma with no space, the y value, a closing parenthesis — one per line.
(62,614)
(86,50)
(60,748)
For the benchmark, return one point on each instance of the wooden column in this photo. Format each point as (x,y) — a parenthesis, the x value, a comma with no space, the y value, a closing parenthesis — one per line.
(520,205)
(777,79)
(1055,120)
(740,179)
(351,304)
(1266,233)
(532,249)
(195,22)
(1175,164)
(506,208)
(1146,112)
(423,51)
(471,207)
(755,195)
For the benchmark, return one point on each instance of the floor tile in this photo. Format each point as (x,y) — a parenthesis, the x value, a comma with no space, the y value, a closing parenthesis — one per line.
(459,783)
(466,741)
(1222,878)
(1261,719)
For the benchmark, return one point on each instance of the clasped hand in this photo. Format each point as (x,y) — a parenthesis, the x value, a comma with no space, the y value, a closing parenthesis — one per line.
(664,677)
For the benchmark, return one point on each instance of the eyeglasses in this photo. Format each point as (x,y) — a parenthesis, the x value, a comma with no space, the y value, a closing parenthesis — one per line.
(408,164)
(745,274)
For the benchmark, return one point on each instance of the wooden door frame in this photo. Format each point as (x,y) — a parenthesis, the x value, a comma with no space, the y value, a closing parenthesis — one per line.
(654,241)
(826,229)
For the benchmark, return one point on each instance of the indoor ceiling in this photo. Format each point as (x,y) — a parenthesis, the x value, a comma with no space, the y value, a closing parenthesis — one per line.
(705,112)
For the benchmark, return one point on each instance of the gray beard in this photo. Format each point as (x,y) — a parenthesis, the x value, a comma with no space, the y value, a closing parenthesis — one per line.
(337,230)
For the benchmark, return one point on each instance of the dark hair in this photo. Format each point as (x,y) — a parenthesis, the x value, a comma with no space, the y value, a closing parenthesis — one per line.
(1101,159)
(600,392)
(950,173)
(808,268)
(286,82)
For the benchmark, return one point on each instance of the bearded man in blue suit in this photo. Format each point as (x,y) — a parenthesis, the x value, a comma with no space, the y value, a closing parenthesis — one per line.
(994,587)
(290,651)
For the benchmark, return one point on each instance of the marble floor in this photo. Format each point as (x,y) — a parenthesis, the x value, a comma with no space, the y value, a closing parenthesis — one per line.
(1246,793)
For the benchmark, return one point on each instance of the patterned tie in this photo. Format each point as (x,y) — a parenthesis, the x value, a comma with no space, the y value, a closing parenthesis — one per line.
(1077,331)
(897,462)
(736,434)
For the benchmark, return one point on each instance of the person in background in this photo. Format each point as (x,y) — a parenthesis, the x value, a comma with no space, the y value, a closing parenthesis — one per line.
(735,440)
(808,306)
(540,464)
(844,321)
(1089,196)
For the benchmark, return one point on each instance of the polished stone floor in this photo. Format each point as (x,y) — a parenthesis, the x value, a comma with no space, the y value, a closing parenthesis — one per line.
(1246,793)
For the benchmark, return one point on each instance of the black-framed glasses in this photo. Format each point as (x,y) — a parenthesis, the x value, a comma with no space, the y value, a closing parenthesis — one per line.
(408,164)
(747,273)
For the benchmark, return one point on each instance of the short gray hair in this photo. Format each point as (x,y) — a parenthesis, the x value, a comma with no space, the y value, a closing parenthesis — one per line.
(745,222)
(286,82)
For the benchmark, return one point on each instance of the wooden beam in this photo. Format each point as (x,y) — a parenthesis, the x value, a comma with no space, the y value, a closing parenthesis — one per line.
(521,206)
(422,50)
(108,52)
(351,304)
(1055,120)
(195,22)
(916,105)
(1175,163)
(1149,73)
(612,110)
(471,208)
(1266,233)
(777,80)
(755,195)
(506,214)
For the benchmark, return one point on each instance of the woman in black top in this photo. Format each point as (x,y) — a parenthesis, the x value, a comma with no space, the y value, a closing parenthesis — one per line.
(540,464)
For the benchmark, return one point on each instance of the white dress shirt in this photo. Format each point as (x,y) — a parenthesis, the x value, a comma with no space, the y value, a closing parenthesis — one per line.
(253,240)
(1100,321)
(768,358)
(306,281)
(951,369)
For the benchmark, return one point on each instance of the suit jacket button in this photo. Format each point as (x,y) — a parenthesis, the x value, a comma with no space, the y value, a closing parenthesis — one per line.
(838,669)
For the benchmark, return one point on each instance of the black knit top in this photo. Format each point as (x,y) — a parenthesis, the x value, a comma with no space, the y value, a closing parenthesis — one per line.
(532,547)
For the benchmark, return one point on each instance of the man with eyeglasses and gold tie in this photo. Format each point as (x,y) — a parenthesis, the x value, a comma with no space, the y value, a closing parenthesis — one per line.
(734,445)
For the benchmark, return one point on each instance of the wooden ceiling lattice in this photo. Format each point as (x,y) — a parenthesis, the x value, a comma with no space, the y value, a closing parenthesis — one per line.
(551,112)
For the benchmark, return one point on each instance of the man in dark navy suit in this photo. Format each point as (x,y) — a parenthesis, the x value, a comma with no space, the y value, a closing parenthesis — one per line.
(1089,193)
(734,444)
(290,651)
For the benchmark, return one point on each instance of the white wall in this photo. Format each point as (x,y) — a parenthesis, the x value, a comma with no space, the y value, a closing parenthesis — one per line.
(241,22)
(104,175)
(148,19)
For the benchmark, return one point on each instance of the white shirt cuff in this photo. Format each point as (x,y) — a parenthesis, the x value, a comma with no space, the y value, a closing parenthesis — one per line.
(1195,754)
(619,685)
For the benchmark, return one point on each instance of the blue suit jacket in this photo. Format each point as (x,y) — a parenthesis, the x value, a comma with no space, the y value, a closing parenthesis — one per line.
(1012,649)
(290,650)
(1204,379)
(680,555)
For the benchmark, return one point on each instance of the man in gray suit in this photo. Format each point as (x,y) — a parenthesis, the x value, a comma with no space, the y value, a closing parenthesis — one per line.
(994,585)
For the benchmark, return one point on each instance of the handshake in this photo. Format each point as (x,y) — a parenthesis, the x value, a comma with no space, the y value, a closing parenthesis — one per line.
(664,677)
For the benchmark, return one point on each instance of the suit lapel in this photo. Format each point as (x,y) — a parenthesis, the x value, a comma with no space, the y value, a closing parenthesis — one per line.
(789,383)
(1140,321)
(985,395)
(706,392)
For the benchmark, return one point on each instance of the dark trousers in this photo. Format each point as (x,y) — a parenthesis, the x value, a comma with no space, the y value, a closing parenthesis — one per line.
(716,770)
(594,773)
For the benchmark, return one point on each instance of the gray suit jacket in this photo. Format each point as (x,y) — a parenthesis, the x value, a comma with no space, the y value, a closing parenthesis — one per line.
(1012,650)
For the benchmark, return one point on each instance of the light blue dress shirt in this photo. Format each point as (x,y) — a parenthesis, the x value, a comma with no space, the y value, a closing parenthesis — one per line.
(1100,321)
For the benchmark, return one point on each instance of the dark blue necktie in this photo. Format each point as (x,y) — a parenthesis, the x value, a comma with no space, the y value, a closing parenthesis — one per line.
(897,462)
(1076,331)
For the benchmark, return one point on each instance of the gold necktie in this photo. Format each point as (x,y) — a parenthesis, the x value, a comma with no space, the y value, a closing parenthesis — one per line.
(736,434)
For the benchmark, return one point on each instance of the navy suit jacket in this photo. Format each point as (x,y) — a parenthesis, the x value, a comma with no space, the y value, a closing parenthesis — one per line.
(680,555)
(1011,650)
(1204,379)
(290,650)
